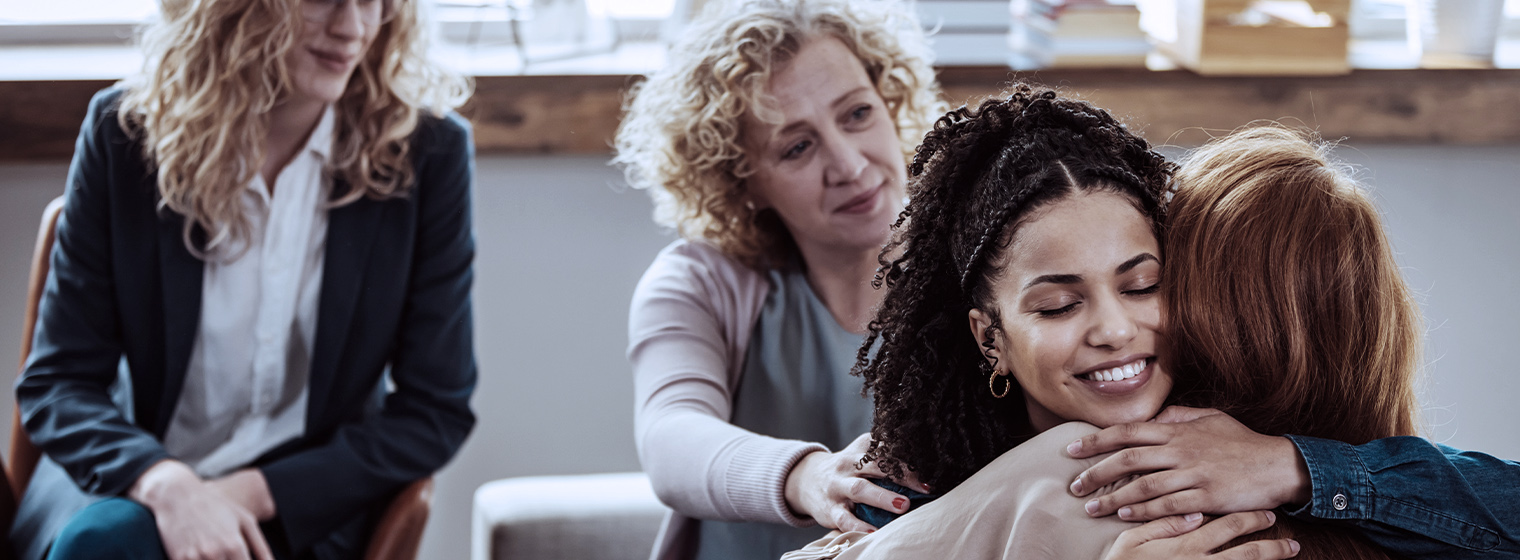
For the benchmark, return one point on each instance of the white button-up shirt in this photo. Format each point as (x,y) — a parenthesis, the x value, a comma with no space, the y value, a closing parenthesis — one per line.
(246,388)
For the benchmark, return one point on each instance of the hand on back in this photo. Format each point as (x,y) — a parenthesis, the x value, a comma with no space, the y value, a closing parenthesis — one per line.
(825,486)
(1191,460)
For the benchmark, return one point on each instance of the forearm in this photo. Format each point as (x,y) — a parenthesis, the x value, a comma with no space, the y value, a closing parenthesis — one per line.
(706,468)
(64,395)
(77,426)
(1415,498)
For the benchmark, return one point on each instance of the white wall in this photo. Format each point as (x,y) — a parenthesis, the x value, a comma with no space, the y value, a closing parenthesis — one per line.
(561,246)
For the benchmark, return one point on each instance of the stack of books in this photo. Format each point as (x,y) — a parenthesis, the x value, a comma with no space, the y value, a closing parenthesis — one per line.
(1252,37)
(1076,33)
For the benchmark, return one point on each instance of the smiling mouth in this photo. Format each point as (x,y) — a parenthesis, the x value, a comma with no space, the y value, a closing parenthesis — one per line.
(332,60)
(1118,373)
(863,202)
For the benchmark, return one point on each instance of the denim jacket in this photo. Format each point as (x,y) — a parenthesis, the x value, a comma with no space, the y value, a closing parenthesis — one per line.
(1415,498)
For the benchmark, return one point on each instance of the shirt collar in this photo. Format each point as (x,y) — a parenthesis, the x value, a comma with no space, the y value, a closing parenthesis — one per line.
(318,144)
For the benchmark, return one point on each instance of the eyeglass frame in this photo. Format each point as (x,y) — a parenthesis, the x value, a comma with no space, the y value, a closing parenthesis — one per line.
(329,7)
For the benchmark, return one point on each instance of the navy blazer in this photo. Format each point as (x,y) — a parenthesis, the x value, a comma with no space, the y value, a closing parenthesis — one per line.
(395,298)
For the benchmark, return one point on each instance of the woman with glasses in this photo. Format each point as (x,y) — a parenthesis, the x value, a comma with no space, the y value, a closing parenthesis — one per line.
(268,217)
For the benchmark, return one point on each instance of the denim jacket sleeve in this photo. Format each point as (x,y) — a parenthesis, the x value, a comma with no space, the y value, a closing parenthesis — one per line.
(1415,498)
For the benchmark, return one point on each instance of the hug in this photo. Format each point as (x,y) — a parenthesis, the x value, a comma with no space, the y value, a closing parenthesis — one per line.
(987,325)
(890,327)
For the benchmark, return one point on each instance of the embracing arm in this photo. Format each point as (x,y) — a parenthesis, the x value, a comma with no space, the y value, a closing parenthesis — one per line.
(1410,496)
(425,419)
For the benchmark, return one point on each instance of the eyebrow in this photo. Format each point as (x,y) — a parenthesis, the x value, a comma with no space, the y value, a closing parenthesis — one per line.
(832,105)
(1135,261)
(1077,278)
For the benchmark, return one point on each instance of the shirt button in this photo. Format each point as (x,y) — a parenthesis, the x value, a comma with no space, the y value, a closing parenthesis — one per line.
(1338,502)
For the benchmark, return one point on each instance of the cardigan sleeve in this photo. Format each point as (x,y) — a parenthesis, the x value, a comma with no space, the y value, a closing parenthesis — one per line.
(687,326)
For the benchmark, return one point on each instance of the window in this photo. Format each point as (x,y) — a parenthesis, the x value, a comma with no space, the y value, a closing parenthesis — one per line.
(511,35)
(30,22)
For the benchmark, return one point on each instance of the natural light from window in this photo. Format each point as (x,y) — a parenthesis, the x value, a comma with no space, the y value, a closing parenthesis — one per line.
(116,11)
(75,11)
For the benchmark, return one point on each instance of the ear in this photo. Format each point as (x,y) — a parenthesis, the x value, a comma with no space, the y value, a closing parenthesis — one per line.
(979,323)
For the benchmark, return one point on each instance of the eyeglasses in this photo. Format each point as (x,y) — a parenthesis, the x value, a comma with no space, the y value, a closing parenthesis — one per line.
(371,12)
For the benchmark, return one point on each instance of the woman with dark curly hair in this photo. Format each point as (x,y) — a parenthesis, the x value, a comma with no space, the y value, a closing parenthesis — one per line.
(988,183)
(1033,227)
(1285,306)
(775,142)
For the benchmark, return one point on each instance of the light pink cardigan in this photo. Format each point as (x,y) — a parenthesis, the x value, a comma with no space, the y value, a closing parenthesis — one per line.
(688,325)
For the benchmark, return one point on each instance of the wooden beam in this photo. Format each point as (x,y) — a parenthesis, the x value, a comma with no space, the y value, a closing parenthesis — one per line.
(579,114)
(1366,106)
(40,120)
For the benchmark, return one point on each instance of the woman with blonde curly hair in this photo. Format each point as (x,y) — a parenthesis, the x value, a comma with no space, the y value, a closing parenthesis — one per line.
(775,142)
(272,214)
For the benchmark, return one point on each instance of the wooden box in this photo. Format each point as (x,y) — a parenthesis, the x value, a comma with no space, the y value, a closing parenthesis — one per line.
(1259,37)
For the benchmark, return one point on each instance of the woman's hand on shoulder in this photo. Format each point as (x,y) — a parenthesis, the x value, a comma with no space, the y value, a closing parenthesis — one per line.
(826,486)
(1191,460)
(1189,537)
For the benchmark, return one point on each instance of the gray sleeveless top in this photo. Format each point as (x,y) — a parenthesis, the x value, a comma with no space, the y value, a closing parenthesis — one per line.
(797,385)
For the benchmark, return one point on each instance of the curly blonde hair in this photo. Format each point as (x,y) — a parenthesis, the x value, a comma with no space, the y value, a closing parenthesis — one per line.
(680,139)
(215,68)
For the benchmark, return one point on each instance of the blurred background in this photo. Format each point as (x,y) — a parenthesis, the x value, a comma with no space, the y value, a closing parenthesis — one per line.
(1420,94)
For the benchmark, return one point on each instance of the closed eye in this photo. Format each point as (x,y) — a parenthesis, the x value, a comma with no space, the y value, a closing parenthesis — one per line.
(1148,290)
(1058,311)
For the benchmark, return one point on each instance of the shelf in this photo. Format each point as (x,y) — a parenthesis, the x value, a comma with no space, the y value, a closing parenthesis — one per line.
(578,113)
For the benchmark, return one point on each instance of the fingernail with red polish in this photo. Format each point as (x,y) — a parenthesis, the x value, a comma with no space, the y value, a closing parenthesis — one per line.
(1091,507)
(1074,448)
(900,504)
(1125,512)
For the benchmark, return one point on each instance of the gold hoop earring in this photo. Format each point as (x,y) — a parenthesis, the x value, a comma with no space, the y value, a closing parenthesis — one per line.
(992,383)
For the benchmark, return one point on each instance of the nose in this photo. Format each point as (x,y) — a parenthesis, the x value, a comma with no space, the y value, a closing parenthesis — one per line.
(1112,327)
(347,20)
(846,161)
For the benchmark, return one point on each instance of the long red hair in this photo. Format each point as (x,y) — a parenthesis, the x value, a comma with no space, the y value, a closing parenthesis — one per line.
(1285,306)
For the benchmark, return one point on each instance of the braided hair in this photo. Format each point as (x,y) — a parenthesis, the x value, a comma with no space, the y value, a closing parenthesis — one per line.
(979,173)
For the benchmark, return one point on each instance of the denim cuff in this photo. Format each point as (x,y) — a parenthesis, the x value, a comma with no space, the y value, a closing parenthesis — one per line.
(1339,484)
